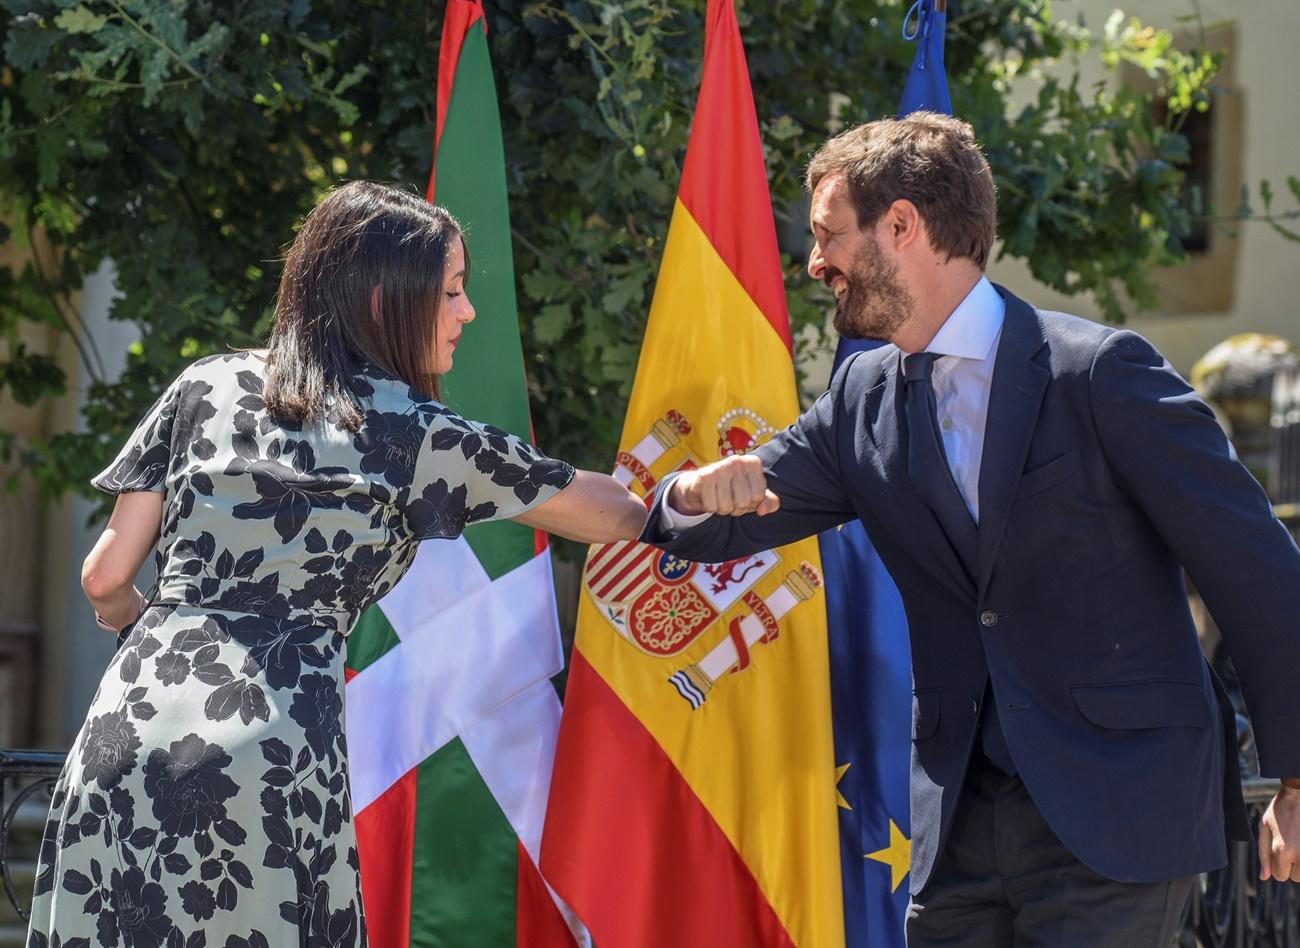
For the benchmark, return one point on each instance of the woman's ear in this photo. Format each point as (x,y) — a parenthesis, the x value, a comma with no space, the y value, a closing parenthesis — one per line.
(375,295)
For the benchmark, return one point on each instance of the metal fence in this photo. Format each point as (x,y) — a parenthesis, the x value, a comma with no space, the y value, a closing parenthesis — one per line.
(25,775)
(1284,449)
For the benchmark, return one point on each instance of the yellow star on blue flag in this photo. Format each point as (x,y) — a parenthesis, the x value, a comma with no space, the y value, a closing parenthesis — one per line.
(897,856)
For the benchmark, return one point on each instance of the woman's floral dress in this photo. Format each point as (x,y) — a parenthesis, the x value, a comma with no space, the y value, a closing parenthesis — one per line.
(205,801)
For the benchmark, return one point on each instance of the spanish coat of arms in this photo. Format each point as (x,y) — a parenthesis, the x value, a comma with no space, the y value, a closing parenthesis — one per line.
(661,603)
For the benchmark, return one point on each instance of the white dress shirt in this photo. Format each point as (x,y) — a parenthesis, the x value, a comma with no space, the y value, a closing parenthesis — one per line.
(968,341)
(962,380)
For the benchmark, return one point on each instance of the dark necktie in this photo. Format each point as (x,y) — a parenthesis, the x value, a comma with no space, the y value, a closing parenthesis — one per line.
(927,467)
(927,462)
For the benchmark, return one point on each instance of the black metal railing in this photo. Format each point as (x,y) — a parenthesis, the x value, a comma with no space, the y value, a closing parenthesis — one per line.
(34,772)
(1284,438)
(1229,908)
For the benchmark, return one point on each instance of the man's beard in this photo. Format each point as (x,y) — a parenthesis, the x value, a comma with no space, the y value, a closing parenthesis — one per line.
(875,303)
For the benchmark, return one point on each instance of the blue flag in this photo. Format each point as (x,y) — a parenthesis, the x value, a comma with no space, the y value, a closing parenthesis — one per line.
(870,657)
(927,86)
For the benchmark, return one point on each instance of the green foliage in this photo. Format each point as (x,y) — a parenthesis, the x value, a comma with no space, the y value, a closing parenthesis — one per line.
(1274,219)
(183,138)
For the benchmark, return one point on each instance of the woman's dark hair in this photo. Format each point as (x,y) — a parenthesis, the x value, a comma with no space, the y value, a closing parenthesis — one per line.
(361,282)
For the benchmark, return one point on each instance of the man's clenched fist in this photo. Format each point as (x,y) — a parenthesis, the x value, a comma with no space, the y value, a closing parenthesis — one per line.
(732,486)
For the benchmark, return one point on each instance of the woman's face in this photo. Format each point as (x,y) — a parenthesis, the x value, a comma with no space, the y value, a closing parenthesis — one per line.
(454,309)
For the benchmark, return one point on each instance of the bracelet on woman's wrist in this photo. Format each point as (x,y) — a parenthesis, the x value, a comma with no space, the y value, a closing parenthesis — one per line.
(137,605)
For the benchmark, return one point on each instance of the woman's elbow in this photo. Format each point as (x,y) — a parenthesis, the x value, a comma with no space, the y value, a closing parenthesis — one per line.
(625,520)
(98,581)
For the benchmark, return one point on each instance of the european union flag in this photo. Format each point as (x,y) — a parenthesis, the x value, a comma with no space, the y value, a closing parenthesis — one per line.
(871,676)
(927,85)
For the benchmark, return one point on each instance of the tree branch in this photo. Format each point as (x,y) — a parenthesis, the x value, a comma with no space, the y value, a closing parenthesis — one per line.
(69,318)
(121,11)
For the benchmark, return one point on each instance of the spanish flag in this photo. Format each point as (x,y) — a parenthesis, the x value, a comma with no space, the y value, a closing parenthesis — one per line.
(693,800)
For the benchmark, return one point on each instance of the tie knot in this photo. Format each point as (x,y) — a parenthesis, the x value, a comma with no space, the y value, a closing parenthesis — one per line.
(918,366)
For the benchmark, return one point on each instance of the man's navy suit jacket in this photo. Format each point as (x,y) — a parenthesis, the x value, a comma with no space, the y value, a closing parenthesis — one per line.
(1102,475)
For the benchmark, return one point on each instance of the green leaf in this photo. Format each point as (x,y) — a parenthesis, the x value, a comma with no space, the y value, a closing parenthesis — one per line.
(1244,208)
(155,71)
(546,285)
(1286,232)
(1174,149)
(29,43)
(623,295)
(31,376)
(80,19)
(552,322)
(784,128)
(351,78)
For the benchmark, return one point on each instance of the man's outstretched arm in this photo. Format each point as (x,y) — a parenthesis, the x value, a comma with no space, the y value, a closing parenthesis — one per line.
(787,489)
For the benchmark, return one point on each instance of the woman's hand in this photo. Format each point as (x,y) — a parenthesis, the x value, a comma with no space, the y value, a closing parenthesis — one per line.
(594,508)
(108,574)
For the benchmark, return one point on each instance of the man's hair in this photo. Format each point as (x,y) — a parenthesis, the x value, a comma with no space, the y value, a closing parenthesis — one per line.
(929,159)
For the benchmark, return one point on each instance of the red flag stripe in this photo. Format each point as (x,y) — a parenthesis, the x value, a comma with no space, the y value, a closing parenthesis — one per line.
(609,549)
(538,922)
(725,124)
(456,22)
(703,893)
(603,586)
(385,843)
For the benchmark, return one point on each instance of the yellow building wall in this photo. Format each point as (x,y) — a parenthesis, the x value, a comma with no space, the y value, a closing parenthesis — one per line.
(1260,136)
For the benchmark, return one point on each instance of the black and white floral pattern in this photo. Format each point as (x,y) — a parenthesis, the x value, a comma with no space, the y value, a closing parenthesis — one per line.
(205,802)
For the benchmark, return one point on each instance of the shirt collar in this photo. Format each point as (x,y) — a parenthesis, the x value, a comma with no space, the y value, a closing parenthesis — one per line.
(972,329)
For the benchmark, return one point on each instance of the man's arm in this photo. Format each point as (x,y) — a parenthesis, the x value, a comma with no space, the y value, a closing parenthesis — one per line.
(1173,459)
(786,490)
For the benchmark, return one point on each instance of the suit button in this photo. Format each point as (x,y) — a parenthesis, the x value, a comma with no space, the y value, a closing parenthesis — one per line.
(988,618)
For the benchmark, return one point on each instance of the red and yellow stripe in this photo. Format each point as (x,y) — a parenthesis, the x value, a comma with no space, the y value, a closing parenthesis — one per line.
(714,826)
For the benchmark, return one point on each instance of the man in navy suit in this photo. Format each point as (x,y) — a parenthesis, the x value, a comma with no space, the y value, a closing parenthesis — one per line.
(1035,484)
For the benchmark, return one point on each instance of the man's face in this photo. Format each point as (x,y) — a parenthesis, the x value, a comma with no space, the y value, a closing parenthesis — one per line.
(871,301)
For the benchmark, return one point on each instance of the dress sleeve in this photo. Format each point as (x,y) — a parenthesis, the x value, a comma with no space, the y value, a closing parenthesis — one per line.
(143,461)
(469,472)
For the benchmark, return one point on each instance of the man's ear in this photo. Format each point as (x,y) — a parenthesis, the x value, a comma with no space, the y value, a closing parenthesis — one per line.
(903,224)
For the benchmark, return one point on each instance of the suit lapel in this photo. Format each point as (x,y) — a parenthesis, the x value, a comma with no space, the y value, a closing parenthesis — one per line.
(1019,382)
(885,429)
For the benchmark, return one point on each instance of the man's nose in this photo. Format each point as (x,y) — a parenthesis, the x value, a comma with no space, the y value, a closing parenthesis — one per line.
(816,264)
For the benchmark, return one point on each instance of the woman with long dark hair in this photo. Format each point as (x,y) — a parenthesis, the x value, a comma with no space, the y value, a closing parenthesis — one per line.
(205,802)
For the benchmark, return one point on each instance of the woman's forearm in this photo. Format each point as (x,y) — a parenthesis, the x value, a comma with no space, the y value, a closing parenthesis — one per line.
(115,607)
(109,571)
(594,508)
